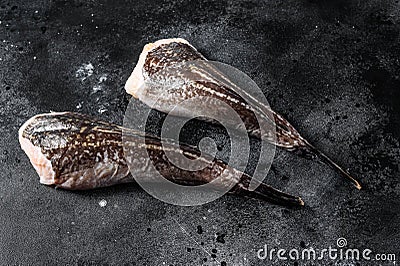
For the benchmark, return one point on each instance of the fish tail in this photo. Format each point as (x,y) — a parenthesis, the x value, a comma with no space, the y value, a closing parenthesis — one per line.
(308,148)
(270,194)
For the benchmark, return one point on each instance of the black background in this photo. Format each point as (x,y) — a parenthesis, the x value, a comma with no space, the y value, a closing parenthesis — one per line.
(331,67)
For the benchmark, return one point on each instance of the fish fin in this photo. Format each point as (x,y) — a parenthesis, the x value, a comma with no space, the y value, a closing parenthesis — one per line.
(270,194)
(310,151)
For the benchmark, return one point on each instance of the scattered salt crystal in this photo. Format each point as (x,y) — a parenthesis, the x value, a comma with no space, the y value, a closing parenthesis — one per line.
(97,88)
(102,109)
(103,78)
(102,203)
(84,71)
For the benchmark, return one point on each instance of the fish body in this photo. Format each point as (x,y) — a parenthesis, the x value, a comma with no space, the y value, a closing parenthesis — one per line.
(171,71)
(78,152)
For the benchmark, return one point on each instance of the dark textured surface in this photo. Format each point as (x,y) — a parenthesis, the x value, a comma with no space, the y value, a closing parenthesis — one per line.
(331,67)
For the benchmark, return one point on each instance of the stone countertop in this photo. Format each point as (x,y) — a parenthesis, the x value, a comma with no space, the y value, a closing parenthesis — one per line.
(330,67)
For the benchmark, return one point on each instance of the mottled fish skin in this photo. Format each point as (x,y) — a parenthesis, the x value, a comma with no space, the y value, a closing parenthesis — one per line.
(86,153)
(166,61)
(168,55)
(79,149)
(173,55)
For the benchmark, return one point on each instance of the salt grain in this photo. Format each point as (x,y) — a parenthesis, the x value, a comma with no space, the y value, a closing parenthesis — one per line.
(84,71)
(102,109)
(103,78)
(103,203)
(97,88)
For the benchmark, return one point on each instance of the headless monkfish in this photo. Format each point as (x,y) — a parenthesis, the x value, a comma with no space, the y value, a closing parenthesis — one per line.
(78,152)
(164,62)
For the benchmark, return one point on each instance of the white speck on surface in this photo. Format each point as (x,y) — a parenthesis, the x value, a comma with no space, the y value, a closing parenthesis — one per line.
(37,11)
(97,88)
(84,71)
(102,109)
(79,106)
(73,223)
(102,78)
(102,203)
(34,58)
